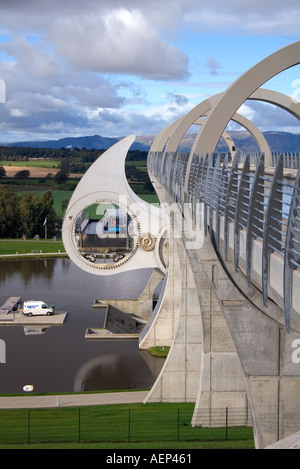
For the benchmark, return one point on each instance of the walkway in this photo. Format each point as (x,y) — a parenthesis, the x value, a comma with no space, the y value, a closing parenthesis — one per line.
(71,400)
(33,254)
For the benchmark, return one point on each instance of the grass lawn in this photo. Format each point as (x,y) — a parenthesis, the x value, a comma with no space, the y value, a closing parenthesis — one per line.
(32,164)
(150,198)
(159,351)
(13,246)
(147,426)
(169,445)
(138,164)
(60,195)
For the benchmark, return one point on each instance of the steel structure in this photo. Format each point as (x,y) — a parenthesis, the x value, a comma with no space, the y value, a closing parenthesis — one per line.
(221,309)
(267,208)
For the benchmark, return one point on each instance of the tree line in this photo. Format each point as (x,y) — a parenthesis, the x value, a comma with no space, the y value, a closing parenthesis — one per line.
(26,215)
(84,155)
(25,153)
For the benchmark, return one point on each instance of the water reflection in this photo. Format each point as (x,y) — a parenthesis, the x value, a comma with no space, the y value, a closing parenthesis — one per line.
(60,359)
(43,268)
(107,370)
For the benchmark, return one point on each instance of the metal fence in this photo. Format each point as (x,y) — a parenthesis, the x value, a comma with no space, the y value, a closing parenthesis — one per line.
(290,159)
(266,206)
(102,424)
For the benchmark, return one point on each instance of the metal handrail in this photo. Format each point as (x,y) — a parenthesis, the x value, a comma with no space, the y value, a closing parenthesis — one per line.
(267,207)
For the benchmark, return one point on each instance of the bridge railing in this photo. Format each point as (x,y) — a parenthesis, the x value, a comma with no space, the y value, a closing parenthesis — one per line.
(290,159)
(236,197)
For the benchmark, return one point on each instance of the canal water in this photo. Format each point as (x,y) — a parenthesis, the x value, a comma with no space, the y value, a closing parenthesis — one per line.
(60,359)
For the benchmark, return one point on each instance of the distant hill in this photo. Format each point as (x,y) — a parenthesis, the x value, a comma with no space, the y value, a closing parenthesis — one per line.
(278,141)
(95,142)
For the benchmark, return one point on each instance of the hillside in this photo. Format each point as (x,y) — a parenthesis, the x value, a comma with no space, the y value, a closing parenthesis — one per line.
(95,142)
(278,141)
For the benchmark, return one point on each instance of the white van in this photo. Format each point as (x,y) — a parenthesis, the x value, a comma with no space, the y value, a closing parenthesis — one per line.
(37,308)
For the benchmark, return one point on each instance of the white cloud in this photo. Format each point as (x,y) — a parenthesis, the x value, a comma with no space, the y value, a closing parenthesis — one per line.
(246,17)
(119,41)
(262,114)
(115,67)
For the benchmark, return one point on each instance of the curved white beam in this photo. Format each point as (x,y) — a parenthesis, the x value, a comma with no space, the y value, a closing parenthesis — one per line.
(172,135)
(105,183)
(239,91)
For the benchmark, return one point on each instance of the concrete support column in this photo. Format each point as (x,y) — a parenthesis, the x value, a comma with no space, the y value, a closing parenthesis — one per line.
(268,357)
(145,300)
(161,326)
(222,382)
(179,378)
(202,365)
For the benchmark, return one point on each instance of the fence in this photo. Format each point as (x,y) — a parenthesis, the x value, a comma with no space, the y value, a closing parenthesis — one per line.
(266,207)
(141,423)
(290,159)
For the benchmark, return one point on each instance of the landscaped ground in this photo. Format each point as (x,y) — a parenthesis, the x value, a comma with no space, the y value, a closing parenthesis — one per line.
(35,172)
(13,246)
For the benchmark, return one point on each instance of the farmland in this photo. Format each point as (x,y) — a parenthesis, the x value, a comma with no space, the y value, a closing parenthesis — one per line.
(58,175)
(37,169)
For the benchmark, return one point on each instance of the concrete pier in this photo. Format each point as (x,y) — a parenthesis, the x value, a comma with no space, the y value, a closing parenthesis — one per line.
(20,319)
(11,304)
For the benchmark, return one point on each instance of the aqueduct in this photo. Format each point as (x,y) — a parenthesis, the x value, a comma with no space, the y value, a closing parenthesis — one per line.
(227,239)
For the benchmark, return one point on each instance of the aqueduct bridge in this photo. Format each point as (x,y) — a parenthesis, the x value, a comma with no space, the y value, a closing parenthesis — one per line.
(226,238)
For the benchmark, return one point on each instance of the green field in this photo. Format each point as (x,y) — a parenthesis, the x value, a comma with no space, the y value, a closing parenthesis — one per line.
(152,425)
(32,164)
(20,246)
(138,164)
(60,195)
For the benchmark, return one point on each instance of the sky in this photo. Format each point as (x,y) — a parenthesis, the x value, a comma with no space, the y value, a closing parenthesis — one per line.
(112,68)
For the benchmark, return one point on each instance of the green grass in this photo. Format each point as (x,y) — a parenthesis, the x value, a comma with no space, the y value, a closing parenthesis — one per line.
(165,445)
(60,195)
(161,352)
(138,164)
(35,163)
(150,198)
(11,246)
(152,425)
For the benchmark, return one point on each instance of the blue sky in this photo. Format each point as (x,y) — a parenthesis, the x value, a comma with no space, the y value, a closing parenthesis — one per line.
(113,68)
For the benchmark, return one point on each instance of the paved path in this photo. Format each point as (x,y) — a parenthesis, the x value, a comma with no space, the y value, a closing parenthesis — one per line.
(35,254)
(70,400)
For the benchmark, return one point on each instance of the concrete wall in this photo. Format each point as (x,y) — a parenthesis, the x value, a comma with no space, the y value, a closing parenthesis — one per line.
(142,306)
(272,375)
(179,378)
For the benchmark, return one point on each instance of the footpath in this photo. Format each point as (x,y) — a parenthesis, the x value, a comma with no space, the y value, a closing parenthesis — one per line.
(71,400)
